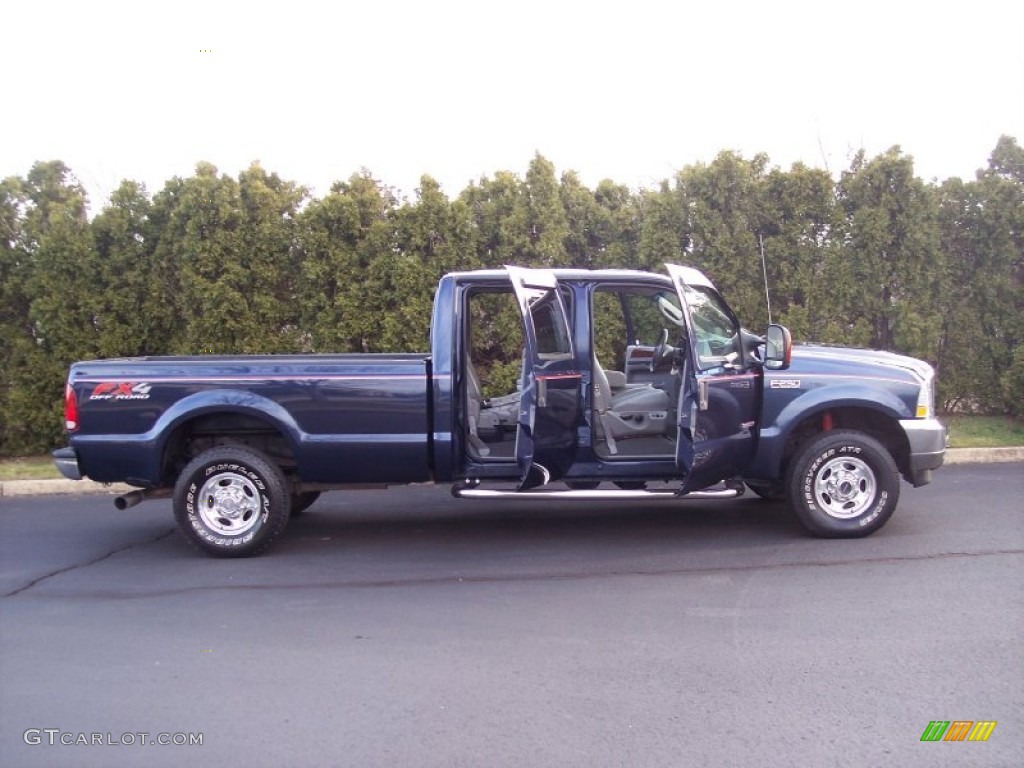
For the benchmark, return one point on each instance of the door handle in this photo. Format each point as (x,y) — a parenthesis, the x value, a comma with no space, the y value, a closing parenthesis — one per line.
(542,393)
(702,394)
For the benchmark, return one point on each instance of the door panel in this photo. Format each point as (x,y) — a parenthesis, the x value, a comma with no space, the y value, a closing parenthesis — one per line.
(550,407)
(719,396)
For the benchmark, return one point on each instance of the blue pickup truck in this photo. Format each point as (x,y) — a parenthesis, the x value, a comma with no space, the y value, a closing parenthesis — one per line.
(539,384)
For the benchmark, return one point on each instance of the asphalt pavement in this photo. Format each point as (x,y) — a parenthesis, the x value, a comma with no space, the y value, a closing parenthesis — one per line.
(407,628)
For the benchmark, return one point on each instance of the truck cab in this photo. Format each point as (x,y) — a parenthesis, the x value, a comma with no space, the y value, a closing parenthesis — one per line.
(592,376)
(649,385)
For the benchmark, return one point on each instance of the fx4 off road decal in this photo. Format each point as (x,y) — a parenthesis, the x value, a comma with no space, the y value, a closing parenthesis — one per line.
(121,390)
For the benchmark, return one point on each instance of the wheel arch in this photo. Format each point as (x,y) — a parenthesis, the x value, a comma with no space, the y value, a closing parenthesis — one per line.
(222,417)
(875,418)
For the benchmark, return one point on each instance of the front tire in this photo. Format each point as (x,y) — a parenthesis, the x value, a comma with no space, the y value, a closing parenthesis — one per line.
(843,484)
(768,491)
(231,501)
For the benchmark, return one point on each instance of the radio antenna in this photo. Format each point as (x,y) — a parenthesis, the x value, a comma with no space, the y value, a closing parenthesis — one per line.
(764,270)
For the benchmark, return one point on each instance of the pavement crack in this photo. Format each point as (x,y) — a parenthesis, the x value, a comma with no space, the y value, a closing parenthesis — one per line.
(499,578)
(76,566)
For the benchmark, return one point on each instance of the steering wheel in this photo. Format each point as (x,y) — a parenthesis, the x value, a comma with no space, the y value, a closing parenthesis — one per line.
(659,349)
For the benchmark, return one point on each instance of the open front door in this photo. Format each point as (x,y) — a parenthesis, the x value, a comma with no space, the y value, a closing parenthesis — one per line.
(719,394)
(551,404)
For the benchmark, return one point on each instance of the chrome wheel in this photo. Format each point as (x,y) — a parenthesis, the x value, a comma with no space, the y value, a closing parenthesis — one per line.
(843,484)
(844,487)
(232,501)
(229,504)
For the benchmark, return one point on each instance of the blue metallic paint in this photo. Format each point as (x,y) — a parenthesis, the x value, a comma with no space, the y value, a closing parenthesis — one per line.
(348,419)
(397,418)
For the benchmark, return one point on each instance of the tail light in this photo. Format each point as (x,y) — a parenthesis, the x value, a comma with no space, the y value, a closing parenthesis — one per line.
(70,408)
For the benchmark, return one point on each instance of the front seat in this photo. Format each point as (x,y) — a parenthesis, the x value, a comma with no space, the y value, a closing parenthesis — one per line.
(627,410)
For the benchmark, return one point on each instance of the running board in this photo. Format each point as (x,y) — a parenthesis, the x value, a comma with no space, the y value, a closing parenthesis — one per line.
(474,492)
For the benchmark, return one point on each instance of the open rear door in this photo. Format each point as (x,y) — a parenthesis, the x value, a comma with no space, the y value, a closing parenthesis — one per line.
(719,395)
(551,404)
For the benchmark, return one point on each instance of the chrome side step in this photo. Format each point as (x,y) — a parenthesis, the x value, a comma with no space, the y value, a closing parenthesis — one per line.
(474,492)
(724,493)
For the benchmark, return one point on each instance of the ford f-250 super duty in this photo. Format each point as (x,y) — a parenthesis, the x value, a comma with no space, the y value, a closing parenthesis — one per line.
(690,405)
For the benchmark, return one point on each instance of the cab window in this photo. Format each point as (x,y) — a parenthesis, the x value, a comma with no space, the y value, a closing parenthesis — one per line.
(717,332)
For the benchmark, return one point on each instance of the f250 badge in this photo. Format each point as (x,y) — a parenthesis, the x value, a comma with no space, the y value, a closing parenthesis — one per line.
(784,384)
(121,390)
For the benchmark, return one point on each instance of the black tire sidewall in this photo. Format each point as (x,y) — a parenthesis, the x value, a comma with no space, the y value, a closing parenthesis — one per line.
(826,448)
(303,501)
(275,501)
(768,491)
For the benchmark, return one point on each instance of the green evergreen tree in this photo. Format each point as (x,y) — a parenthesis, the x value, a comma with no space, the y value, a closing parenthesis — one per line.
(665,228)
(723,204)
(498,212)
(339,239)
(584,242)
(133,313)
(269,207)
(215,264)
(547,229)
(17,344)
(434,236)
(616,226)
(892,250)
(982,331)
(800,229)
(202,250)
(54,269)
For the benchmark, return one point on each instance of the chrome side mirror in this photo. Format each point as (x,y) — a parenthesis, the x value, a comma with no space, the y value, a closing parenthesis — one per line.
(778,348)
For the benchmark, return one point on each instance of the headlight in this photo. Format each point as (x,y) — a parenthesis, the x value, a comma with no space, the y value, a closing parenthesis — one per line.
(926,397)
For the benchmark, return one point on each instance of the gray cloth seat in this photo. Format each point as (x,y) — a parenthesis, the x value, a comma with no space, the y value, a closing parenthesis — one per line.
(623,409)
(488,417)
(626,410)
(474,408)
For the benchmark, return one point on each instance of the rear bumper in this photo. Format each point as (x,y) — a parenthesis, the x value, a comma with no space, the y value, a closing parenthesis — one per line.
(67,463)
(927,439)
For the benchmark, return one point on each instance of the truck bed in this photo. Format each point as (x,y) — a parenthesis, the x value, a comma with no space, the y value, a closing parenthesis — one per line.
(349,418)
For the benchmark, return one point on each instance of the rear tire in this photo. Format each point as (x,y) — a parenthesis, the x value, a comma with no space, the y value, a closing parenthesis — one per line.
(843,484)
(231,501)
(631,485)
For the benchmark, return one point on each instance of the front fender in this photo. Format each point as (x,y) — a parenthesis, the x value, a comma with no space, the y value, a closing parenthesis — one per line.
(767,461)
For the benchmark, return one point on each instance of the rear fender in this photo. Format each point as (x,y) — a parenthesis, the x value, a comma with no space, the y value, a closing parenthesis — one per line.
(224,401)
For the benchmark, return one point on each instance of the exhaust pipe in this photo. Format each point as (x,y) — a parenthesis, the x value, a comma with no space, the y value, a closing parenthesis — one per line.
(134,497)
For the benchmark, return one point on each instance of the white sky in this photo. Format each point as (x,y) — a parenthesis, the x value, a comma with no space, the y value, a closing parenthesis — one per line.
(459,89)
